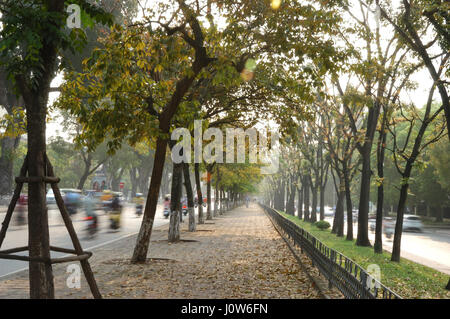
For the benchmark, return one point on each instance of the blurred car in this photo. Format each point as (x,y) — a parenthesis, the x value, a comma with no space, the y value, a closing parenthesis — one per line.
(329,212)
(412,223)
(372,223)
(50,197)
(95,196)
(73,199)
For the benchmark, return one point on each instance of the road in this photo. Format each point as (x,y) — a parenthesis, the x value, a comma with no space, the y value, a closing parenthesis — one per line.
(430,247)
(17,236)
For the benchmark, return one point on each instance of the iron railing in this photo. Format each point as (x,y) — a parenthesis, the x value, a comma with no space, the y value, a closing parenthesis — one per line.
(341,272)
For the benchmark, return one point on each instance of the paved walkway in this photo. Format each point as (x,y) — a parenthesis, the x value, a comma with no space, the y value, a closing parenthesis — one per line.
(235,255)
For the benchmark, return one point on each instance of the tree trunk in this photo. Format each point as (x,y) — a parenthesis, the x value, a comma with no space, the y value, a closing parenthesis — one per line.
(208,195)
(300,203)
(86,172)
(40,274)
(399,223)
(306,197)
(439,214)
(313,218)
(362,238)
(83,180)
(175,203)
(348,197)
(381,146)
(340,209)
(190,197)
(290,207)
(322,202)
(282,196)
(216,191)
(145,232)
(201,218)
(378,246)
(222,201)
(335,217)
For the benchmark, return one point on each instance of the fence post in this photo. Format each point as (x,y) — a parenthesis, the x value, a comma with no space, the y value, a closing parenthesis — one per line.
(330,276)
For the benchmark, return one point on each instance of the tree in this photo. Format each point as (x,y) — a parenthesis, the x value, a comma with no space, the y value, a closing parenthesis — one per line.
(32,64)
(412,28)
(374,67)
(408,153)
(179,46)
(145,71)
(340,143)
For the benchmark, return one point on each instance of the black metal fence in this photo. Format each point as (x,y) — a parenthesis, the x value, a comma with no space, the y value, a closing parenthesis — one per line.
(341,272)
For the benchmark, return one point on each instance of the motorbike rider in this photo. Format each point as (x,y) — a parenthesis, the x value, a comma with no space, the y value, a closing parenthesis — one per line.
(106,199)
(72,200)
(139,202)
(166,207)
(91,216)
(184,209)
(116,211)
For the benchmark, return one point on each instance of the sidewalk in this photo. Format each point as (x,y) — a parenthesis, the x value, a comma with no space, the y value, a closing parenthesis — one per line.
(236,255)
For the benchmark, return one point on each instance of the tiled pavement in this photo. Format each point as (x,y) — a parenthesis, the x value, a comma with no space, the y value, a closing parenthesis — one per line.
(235,255)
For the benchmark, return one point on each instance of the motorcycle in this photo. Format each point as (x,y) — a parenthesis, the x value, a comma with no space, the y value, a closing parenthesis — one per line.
(184,210)
(114,218)
(166,213)
(91,228)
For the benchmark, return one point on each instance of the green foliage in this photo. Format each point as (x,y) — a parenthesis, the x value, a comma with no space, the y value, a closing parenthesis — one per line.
(407,278)
(31,27)
(322,224)
(13,124)
(129,80)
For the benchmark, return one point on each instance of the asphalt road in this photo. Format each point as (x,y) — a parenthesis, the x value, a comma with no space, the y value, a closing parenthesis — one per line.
(18,235)
(430,247)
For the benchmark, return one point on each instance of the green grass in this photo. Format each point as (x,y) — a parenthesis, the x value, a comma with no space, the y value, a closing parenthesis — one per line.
(407,278)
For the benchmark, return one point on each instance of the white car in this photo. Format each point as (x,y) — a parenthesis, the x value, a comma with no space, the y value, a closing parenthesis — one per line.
(412,222)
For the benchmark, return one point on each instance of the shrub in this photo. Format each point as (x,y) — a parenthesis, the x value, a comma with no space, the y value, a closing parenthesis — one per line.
(322,224)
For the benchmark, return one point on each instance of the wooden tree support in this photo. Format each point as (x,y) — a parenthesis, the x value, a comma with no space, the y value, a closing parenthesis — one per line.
(79,254)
